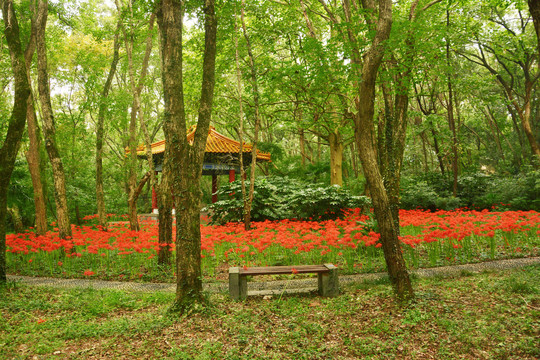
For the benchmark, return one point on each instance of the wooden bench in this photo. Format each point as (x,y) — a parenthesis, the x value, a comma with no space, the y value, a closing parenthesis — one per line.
(327,276)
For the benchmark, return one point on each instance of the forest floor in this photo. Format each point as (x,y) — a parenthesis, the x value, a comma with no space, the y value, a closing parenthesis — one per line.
(477,312)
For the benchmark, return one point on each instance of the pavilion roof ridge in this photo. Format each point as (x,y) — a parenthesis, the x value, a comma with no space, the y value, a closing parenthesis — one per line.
(216,143)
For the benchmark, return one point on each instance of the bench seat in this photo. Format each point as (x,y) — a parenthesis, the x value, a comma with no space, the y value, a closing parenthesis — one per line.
(327,277)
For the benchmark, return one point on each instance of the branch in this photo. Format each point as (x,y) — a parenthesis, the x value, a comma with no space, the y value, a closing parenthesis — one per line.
(329,12)
(309,24)
(503,24)
(430,4)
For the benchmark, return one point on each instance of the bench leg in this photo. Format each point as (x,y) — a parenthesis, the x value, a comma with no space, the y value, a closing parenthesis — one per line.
(329,282)
(237,284)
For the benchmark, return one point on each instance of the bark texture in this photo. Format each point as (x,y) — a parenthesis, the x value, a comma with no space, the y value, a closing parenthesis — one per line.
(335,140)
(100,132)
(165,205)
(364,133)
(49,131)
(451,120)
(33,155)
(256,96)
(17,121)
(186,159)
(136,89)
(534,8)
(245,197)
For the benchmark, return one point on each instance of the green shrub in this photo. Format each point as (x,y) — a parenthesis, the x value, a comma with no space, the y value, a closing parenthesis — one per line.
(472,186)
(418,195)
(448,203)
(323,202)
(519,192)
(277,198)
(440,183)
(476,190)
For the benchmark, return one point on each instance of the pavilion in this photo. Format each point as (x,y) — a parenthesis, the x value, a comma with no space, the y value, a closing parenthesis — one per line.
(220,158)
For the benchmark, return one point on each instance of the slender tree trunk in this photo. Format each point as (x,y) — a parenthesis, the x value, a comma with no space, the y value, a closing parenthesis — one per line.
(336,158)
(534,8)
(245,195)
(136,88)
(494,130)
(186,160)
(451,121)
(517,129)
(100,132)
(33,155)
(500,134)
(353,160)
(165,205)
(49,130)
(256,95)
(16,218)
(423,138)
(302,146)
(17,120)
(318,148)
(440,159)
(525,116)
(363,120)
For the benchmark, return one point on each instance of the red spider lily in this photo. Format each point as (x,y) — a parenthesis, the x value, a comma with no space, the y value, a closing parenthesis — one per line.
(306,241)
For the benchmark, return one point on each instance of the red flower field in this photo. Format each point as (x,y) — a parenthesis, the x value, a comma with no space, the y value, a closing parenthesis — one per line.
(429,239)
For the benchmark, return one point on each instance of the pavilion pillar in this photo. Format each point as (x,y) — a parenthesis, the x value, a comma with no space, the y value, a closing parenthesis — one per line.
(154,198)
(231,175)
(214,188)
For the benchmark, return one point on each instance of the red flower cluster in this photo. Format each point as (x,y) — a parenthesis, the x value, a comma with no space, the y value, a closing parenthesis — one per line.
(286,239)
(459,224)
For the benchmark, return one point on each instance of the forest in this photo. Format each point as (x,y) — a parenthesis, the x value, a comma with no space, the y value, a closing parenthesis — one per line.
(431,105)
(469,72)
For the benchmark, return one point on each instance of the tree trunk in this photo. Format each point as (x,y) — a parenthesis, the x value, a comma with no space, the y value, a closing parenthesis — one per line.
(136,88)
(494,130)
(256,95)
(17,121)
(33,157)
(363,120)
(49,130)
(336,158)
(100,132)
(239,88)
(437,149)
(451,121)
(165,204)
(186,160)
(302,146)
(16,218)
(353,160)
(534,8)
(525,116)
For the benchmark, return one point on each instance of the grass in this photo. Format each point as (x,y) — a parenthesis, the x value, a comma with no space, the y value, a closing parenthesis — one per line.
(492,315)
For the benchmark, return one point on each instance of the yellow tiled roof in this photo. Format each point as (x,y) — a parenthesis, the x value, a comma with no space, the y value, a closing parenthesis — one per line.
(216,143)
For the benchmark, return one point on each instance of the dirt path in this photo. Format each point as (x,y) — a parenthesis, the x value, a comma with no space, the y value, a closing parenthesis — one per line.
(272,287)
